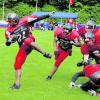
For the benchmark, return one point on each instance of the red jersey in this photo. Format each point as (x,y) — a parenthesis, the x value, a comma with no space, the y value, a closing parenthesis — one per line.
(64,39)
(97,35)
(21,30)
(59,32)
(86,49)
(90,69)
(82,31)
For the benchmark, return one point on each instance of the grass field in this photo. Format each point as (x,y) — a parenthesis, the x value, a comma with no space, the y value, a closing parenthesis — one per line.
(34,85)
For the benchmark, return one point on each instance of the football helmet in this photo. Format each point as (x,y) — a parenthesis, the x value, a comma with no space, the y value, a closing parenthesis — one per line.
(68,27)
(90,24)
(12,19)
(95,78)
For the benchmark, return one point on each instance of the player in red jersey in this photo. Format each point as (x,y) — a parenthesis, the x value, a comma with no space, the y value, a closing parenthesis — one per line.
(90,46)
(93,73)
(90,49)
(18,30)
(64,38)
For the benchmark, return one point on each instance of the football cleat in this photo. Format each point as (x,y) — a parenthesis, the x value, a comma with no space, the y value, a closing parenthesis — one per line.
(72,84)
(14,86)
(49,78)
(79,64)
(47,55)
(92,92)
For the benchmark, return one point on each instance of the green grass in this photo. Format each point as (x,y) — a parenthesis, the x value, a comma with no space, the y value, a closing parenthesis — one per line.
(35,70)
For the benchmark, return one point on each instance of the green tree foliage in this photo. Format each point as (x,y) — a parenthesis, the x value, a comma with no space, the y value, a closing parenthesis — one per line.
(48,8)
(5,13)
(23,9)
(87,9)
(89,12)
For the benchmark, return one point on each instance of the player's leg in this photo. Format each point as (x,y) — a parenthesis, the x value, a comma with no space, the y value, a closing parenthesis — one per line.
(97,60)
(20,59)
(75,78)
(58,61)
(88,86)
(30,42)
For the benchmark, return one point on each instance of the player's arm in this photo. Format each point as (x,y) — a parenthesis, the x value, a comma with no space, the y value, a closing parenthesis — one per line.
(77,75)
(10,38)
(76,42)
(86,59)
(74,78)
(33,20)
(55,43)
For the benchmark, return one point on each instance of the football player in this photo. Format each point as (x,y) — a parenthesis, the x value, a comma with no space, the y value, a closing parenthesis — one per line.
(18,30)
(91,38)
(64,38)
(93,73)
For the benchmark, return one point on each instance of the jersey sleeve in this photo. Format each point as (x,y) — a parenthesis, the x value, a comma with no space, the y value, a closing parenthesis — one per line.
(28,19)
(97,35)
(7,34)
(90,69)
(84,49)
(81,31)
(34,19)
(57,32)
(74,35)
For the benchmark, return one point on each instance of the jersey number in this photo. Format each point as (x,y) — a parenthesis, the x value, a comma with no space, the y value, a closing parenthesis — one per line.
(21,36)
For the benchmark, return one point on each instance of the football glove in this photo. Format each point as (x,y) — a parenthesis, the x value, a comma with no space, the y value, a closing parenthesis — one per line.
(47,55)
(8,42)
(71,42)
(92,92)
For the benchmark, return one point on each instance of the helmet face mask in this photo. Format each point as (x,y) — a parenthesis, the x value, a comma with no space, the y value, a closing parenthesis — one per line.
(66,31)
(90,27)
(90,38)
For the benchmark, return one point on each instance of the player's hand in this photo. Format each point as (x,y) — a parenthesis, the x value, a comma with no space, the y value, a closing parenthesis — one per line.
(8,42)
(96,53)
(71,42)
(72,84)
(79,64)
(92,92)
(47,55)
(14,38)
